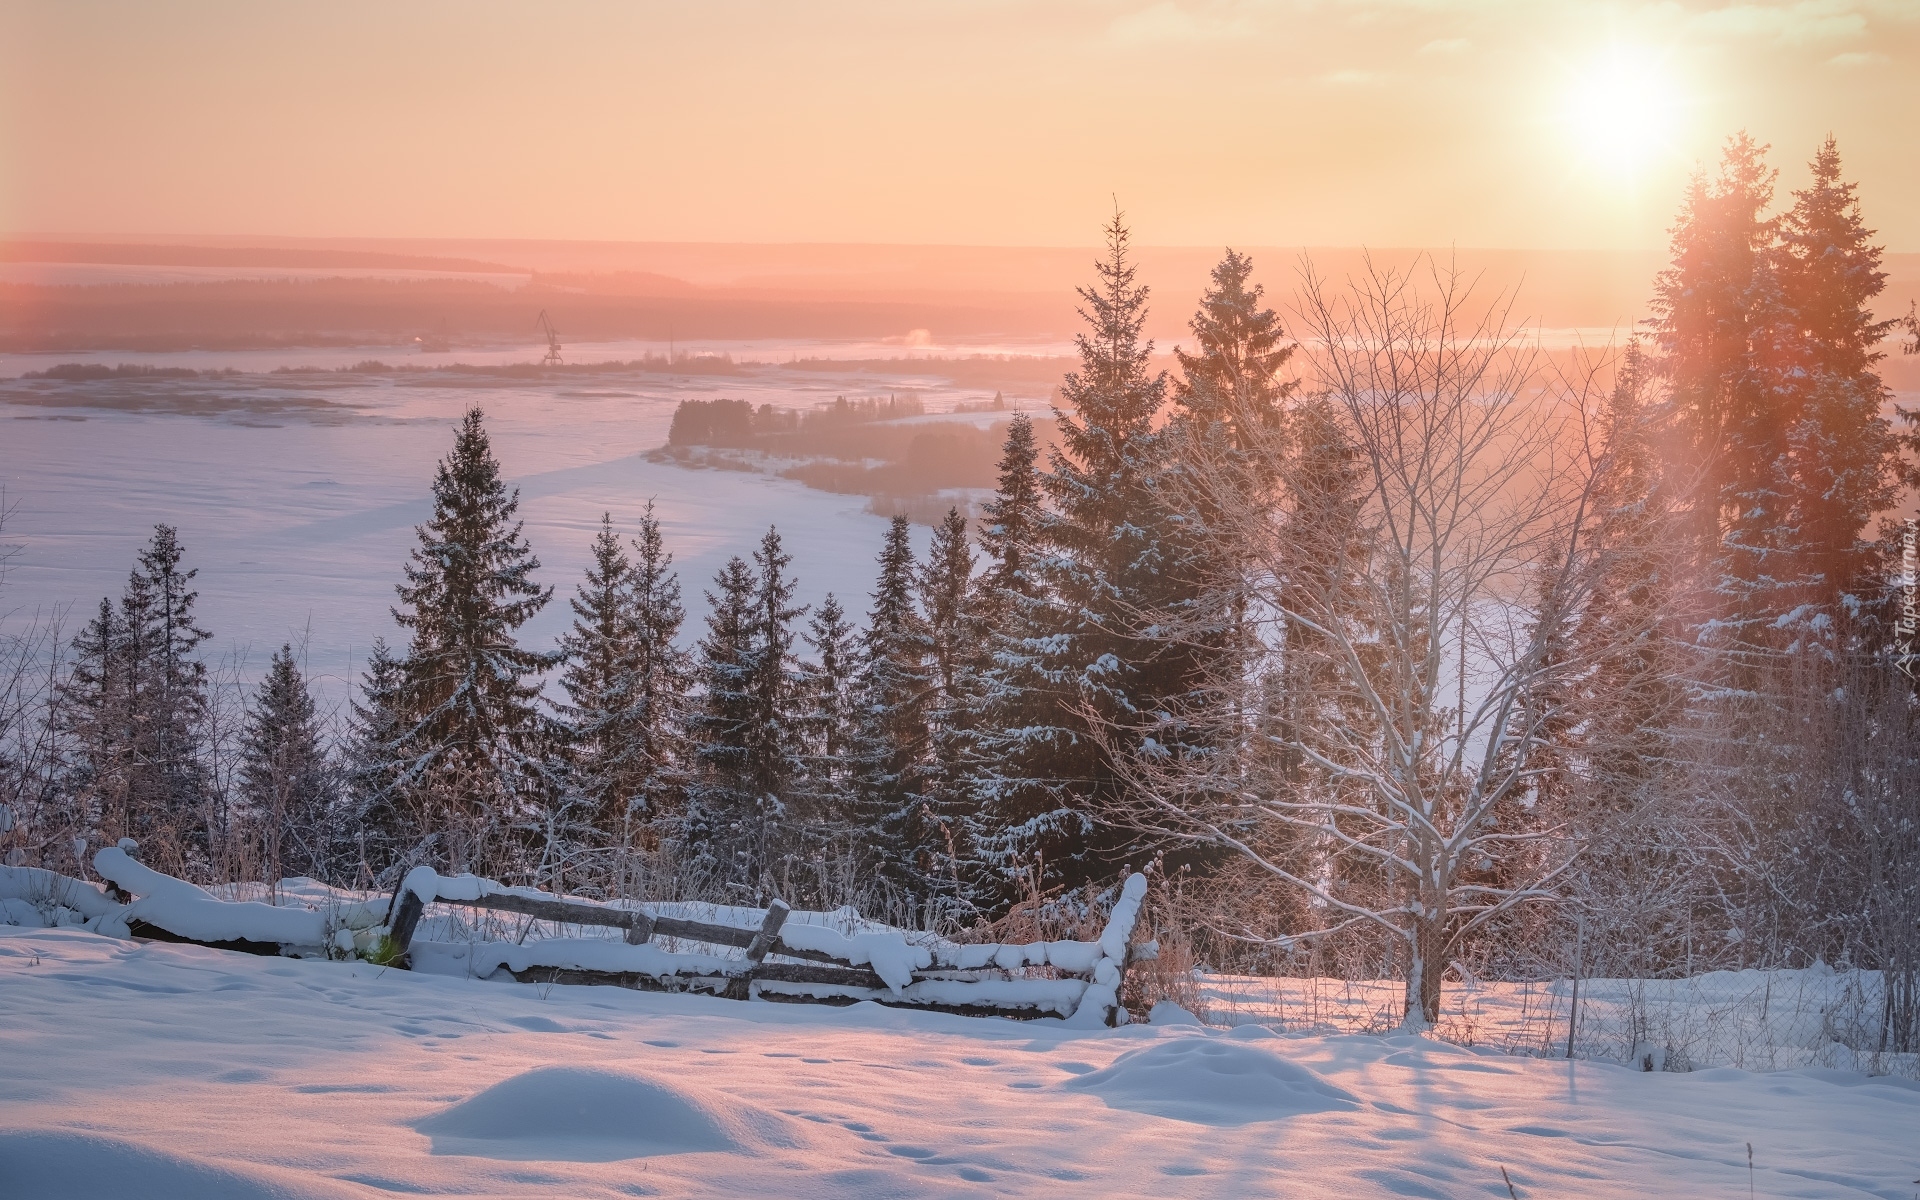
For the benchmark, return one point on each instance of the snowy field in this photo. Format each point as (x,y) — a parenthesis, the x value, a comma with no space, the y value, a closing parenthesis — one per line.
(1752,1019)
(175,1071)
(296,496)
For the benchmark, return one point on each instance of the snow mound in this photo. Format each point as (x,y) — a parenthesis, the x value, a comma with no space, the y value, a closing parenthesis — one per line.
(1166,1012)
(1210,1081)
(90,1166)
(589,1114)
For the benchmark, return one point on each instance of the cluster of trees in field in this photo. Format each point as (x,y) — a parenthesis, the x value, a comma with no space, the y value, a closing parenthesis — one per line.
(1394,644)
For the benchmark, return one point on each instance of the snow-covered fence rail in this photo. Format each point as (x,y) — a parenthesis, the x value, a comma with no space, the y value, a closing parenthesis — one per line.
(779,960)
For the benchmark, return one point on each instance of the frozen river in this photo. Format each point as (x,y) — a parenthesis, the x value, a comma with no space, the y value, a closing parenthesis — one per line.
(296,495)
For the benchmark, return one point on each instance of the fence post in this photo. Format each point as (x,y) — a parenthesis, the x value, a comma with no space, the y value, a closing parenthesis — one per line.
(402,916)
(738,987)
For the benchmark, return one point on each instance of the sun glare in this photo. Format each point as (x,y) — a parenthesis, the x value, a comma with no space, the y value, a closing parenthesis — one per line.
(1623,111)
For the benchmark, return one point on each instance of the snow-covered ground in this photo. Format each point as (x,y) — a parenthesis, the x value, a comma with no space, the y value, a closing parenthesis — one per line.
(166,1071)
(1752,1019)
(296,496)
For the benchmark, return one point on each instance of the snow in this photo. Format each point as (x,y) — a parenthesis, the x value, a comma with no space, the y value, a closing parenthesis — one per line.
(590,1114)
(888,953)
(171,1071)
(42,1162)
(1102,995)
(192,912)
(1212,1081)
(1751,1019)
(481,959)
(35,888)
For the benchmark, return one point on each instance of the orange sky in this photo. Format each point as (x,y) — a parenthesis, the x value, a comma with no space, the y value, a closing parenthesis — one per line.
(1523,123)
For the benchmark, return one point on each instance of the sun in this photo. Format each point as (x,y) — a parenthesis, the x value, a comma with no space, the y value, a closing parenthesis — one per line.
(1623,111)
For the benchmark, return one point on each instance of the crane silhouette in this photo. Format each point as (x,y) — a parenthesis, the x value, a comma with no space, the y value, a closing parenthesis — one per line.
(553,358)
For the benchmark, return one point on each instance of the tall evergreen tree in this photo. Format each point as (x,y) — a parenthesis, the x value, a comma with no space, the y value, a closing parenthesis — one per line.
(1843,455)
(1719,324)
(475,737)
(660,671)
(715,826)
(775,687)
(608,769)
(1226,437)
(379,830)
(748,734)
(1010,525)
(137,704)
(96,715)
(890,772)
(170,696)
(945,586)
(955,658)
(1088,665)
(830,710)
(287,781)
(1233,381)
(1713,308)
(1014,817)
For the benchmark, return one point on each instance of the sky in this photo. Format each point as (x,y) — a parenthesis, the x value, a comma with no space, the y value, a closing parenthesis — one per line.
(1494,123)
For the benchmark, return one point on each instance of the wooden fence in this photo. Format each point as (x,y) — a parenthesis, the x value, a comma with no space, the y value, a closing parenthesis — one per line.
(777,959)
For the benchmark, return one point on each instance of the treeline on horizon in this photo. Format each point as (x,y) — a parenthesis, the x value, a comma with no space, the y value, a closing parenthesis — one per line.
(252,314)
(1390,646)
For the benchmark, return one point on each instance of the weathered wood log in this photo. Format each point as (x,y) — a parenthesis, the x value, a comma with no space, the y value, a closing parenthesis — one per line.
(637,923)
(700,931)
(887,999)
(147,931)
(403,919)
(769,931)
(740,988)
(638,981)
(860,977)
(783,950)
(863,985)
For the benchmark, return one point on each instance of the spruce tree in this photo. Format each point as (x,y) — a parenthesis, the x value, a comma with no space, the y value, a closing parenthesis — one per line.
(1718,323)
(1843,454)
(1233,381)
(379,830)
(1101,683)
(748,732)
(955,658)
(287,781)
(607,767)
(890,772)
(96,716)
(714,828)
(1226,438)
(945,587)
(1010,525)
(474,738)
(774,684)
(830,708)
(156,699)
(1013,813)
(660,671)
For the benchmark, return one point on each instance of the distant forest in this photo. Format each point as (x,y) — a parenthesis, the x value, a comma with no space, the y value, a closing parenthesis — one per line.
(245,314)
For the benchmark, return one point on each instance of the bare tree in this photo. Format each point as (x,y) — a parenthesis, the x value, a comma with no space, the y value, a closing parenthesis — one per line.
(36,822)
(1416,574)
